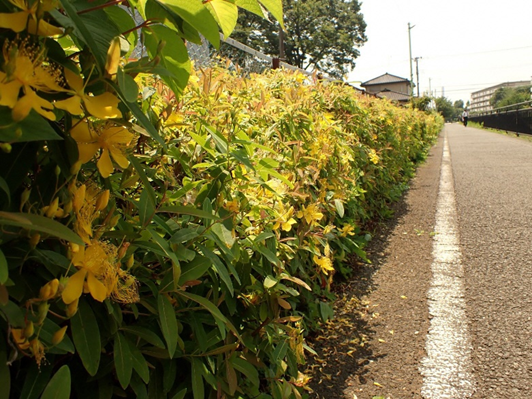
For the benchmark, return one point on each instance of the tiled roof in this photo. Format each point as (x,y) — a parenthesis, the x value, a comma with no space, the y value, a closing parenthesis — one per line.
(393,95)
(386,78)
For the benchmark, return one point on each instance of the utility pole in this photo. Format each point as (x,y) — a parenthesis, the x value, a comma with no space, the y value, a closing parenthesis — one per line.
(417,73)
(410,52)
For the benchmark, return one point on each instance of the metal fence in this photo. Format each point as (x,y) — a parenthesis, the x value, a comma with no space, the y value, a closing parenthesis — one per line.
(241,56)
(513,118)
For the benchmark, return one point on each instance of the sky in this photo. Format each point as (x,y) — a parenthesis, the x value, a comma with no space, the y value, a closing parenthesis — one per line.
(463,45)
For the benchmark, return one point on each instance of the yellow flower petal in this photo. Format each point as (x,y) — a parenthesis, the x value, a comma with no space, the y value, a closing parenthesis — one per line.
(105,166)
(43,28)
(119,158)
(87,141)
(74,80)
(32,101)
(113,57)
(15,21)
(103,106)
(96,288)
(72,105)
(74,286)
(9,92)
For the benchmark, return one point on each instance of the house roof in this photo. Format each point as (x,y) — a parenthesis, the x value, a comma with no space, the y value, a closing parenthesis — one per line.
(393,95)
(383,79)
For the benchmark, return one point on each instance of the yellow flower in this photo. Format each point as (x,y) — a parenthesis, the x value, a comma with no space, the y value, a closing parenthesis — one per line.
(347,230)
(99,274)
(284,218)
(311,214)
(325,264)
(20,338)
(111,139)
(30,17)
(373,157)
(103,106)
(25,68)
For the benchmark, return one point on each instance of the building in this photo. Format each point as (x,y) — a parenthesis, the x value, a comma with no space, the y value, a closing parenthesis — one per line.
(389,86)
(480,100)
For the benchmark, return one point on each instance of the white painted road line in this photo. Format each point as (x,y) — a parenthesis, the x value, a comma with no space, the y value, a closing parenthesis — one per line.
(447,369)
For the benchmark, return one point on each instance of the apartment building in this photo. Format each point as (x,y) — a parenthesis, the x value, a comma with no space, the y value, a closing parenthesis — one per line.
(480,100)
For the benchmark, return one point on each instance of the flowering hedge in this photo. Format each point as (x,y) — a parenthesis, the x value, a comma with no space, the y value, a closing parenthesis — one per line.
(164,240)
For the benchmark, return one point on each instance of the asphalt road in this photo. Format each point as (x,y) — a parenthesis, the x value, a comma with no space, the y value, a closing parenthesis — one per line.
(493,191)
(446,304)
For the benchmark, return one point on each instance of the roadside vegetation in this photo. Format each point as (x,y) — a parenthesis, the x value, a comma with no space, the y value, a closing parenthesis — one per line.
(170,240)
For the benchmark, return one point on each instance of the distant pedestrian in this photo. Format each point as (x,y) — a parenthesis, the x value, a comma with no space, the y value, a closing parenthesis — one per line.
(465,117)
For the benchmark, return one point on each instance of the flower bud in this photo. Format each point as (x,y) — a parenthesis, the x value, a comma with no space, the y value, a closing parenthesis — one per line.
(72,308)
(130,262)
(49,290)
(29,329)
(52,209)
(114,220)
(24,197)
(113,57)
(74,169)
(102,201)
(34,240)
(58,336)
(42,312)
(57,170)
(67,208)
(6,147)
(79,198)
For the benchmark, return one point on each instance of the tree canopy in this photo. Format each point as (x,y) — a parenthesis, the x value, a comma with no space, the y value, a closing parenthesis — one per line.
(319,34)
(505,96)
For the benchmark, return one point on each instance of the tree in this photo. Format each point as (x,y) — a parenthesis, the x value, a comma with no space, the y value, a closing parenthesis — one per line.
(319,34)
(505,96)
(445,108)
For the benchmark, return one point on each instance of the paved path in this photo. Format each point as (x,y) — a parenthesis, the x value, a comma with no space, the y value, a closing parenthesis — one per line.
(487,235)
(493,185)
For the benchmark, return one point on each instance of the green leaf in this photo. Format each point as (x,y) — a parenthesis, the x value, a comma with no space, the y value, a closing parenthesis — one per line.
(339,207)
(275,7)
(219,266)
(197,379)
(144,178)
(197,15)
(127,85)
(32,128)
(140,365)
(142,119)
(251,5)
(59,385)
(187,210)
(93,28)
(41,224)
(123,360)
(168,321)
(86,336)
(146,208)
(224,234)
(36,380)
(210,307)
(4,272)
(247,369)
(269,282)
(180,395)
(174,55)
(146,334)
(226,14)
(163,244)
(186,234)
(195,269)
